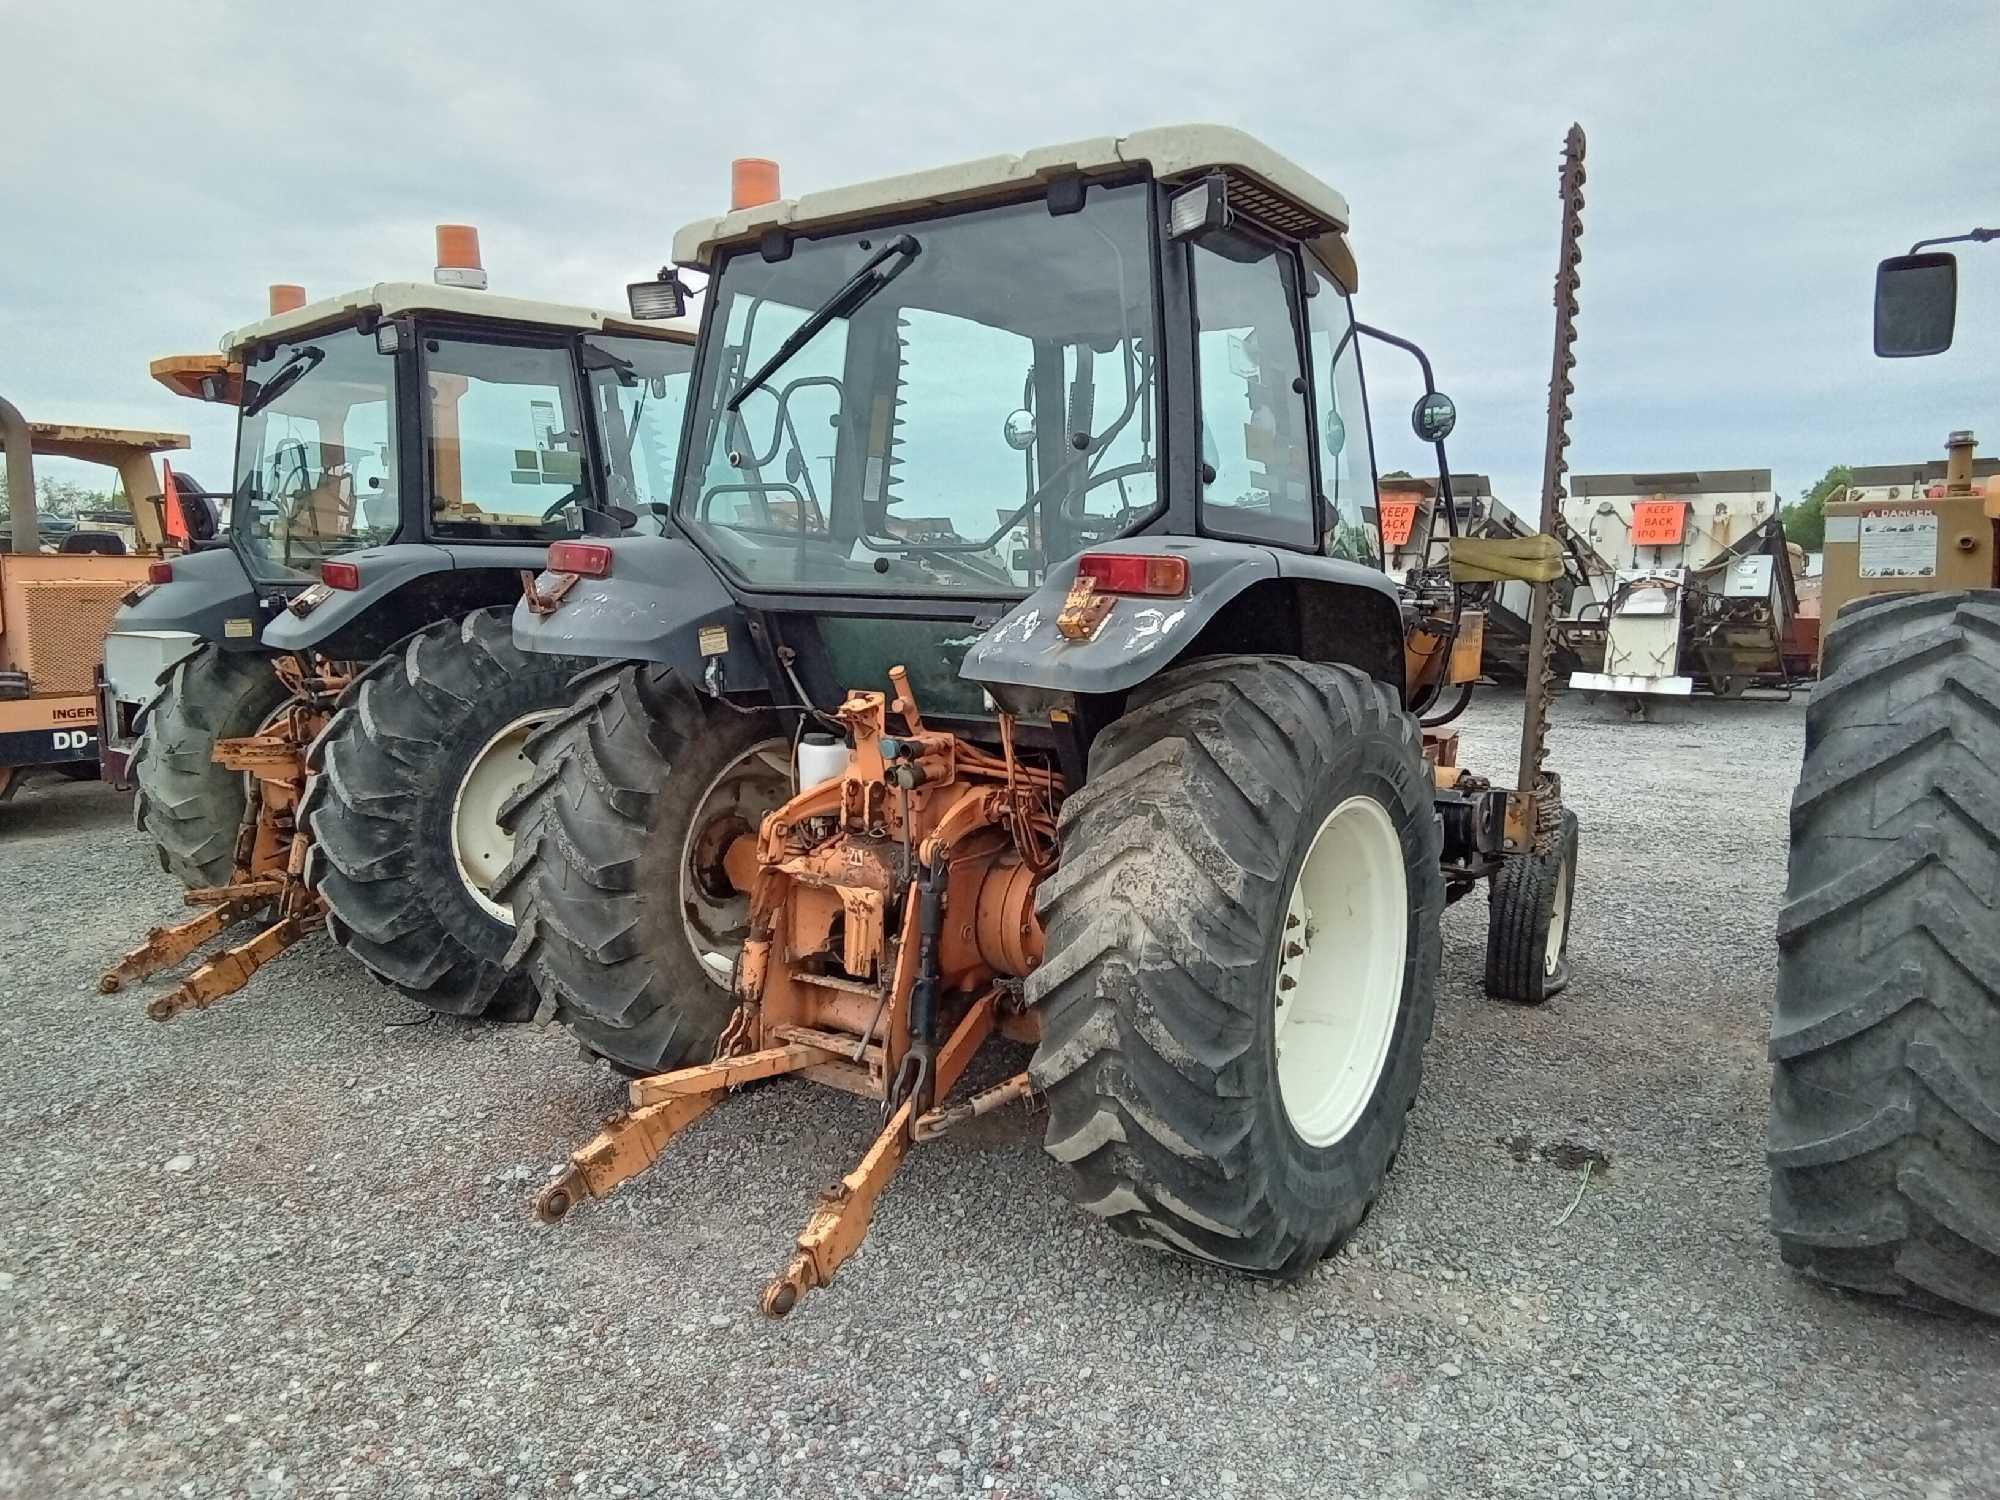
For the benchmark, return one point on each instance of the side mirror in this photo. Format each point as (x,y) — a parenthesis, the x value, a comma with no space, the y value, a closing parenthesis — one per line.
(1916,304)
(1433,417)
(1019,430)
(1333,432)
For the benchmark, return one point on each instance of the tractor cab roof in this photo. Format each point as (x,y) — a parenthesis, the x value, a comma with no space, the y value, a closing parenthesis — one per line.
(1264,186)
(390,299)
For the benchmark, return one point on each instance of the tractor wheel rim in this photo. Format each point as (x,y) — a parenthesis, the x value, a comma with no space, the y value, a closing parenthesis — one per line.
(757,782)
(1342,948)
(1558,922)
(480,847)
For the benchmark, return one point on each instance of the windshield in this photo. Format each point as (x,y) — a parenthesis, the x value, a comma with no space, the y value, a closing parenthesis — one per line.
(638,394)
(985,410)
(315,454)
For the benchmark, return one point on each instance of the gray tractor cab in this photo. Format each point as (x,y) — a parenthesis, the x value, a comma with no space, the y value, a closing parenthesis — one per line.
(1073,449)
(403,453)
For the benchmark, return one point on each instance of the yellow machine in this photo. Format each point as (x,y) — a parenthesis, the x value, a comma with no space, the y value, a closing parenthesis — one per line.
(58,592)
(1884,1140)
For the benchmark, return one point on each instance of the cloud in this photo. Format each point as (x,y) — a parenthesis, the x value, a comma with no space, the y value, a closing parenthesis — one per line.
(1748,164)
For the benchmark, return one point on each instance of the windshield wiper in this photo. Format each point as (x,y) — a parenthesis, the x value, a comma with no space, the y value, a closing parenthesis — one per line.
(287,375)
(844,303)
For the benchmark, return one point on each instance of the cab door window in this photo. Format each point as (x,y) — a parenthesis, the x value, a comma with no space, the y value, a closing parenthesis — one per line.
(1256,453)
(1346,459)
(505,449)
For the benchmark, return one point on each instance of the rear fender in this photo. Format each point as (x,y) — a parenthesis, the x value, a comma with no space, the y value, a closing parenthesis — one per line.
(661,602)
(211,598)
(383,570)
(1240,597)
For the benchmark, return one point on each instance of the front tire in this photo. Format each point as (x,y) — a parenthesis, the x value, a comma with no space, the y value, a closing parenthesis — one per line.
(625,922)
(1885,1045)
(1250,821)
(409,777)
(190,807)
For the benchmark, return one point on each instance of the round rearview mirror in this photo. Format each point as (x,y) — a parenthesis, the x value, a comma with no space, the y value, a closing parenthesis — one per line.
(1333,432)
(1434,417)
(1019,430)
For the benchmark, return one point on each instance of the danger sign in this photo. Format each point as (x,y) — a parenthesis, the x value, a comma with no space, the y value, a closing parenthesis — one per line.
(1399,519)
(1658,523)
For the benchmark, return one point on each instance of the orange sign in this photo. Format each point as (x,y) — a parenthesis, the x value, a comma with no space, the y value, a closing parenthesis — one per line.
(1399,519)
(1658,523)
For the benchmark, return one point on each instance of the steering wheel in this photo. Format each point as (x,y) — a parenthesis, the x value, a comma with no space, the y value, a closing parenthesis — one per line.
(289,458)
(1076,518)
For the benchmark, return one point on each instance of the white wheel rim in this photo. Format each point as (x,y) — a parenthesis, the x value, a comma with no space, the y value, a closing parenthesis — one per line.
(757,782)
(1339,987)
(479,845)
(1558,922)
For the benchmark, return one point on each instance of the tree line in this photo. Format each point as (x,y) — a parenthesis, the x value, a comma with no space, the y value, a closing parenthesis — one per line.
(1805,517)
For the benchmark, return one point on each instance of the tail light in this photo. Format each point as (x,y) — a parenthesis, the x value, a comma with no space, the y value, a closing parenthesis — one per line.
(590,559)
(1135,572)
(340,575)
(160,572)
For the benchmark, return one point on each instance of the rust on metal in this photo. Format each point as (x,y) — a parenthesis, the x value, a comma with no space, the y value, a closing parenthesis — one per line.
(540,603)
(268,874)
(934,1124)
(1084,610)
(891,919)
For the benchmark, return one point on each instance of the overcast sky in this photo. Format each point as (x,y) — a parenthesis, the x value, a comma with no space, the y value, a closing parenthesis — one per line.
(1748,163)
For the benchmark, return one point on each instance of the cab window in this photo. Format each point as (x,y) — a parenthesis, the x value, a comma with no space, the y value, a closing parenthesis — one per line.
(1256,459)
(1346,462)
(639,392)
(505,447)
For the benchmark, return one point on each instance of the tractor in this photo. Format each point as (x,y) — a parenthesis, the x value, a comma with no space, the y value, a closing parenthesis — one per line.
(1884,1141)
(60,583)
(1019,660)
(332,707)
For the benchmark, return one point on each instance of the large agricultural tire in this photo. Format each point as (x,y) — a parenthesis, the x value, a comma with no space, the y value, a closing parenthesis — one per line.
(1885,1045)
(190,807)
(408,780)
(625,924)
(1527,922)
(1241,805)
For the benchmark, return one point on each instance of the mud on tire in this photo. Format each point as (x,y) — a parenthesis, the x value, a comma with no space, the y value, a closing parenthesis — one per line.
(600,832)
(1885,1047)
(1164,927)
(389,771)
(190,807)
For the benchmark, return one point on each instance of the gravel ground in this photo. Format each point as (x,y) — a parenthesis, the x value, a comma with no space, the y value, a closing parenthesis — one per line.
(282,1247)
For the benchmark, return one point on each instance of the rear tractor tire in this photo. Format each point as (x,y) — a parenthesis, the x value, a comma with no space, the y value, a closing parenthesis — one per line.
(1885,1046)
(1527,922)
(409,778)
(1242,958)
(190,807)
(627,921)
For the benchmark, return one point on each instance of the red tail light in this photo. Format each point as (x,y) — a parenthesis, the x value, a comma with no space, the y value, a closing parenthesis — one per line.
(160,572)
(340,575)
(591,559)
(1135,572)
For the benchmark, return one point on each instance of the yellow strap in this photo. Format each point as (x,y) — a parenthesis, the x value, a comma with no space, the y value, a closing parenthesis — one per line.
(1528,559)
